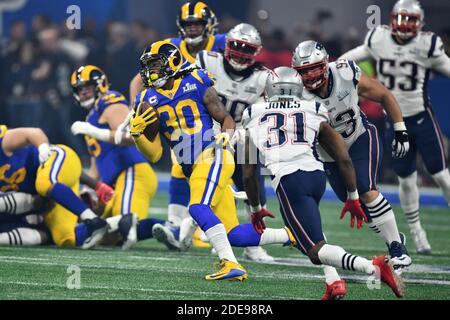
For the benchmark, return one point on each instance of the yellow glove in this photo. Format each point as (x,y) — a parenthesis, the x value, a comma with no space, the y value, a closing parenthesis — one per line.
(222,139)
(140,121)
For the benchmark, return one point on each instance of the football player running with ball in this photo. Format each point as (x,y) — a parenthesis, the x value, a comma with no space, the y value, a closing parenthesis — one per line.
(240,81)
(405,56)
(284,130)
(338,85)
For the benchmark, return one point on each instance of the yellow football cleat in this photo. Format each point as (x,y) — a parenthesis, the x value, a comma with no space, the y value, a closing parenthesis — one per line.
(197,241)
(292,240)
(229,271)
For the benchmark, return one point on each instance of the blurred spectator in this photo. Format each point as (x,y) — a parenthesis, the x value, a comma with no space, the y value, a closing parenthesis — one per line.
(276,51)
(38,24)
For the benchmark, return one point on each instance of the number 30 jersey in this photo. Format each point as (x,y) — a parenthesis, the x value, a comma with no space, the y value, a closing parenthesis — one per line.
(285,134)
(342,102)
(404,69)
(236,95)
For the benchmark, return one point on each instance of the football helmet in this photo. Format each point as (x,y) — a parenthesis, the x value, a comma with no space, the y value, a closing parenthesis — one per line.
(159,62)
(283,83)
(88,75)
(242,46)
(196,12)
(407,19)
(310,59)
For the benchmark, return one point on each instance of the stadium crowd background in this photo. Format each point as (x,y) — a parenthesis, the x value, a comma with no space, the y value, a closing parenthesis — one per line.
(38,52)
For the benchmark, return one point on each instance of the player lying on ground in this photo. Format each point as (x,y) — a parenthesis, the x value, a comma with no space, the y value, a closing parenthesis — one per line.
(180,105)
(29,164)
(405,56)
(119,165)
(338,85)
(284,130)
(240,81)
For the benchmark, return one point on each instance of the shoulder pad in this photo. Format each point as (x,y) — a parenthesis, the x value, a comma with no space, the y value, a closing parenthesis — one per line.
(431,45)
(348,69)
(109,98)
(375,35)
(204,77)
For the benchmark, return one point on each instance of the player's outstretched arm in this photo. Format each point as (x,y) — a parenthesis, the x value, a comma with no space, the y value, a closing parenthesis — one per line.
(357,54)
(374,90)
(217,110)
(20,137)
(251,187)
(335,146)
(441,65)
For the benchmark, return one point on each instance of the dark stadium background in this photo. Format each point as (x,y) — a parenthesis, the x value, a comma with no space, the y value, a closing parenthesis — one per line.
(38,52)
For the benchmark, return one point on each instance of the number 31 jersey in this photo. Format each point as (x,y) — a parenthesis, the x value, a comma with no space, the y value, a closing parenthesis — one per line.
(235,95)
(404,69)
(342,102)
(285,134)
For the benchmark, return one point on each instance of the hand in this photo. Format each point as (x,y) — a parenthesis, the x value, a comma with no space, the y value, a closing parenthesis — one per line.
(104,192)
(44,152)
(238,137)
(81,127)
(222,139)
(257,219)
(354,207)
(400,145)
(140,121)
(121,129)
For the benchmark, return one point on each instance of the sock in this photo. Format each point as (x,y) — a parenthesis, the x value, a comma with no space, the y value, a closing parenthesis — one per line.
(21,237)
(409,200)
(204,216)
(69,200)
(144,228)
(244,235)
(81,233)
(187,227)
(442,179)
(337,257)
(271,236)
(217,236)
(16,202)
(383,219)
(177,213)
(331,274)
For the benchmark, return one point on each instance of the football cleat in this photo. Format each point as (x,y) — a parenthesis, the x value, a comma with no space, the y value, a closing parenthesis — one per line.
(257,254)
(97,228)
(420,240)
(165,235)
(292,242)
(128,230)
(197,240)
(229,271)
(335,291)
(187,230)
(388,276)
(399,255)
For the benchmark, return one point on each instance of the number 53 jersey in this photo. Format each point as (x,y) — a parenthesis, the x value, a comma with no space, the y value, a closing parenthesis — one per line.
(404,69)
(342,103)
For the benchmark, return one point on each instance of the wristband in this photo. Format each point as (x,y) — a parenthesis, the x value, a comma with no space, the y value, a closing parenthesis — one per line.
(255,209)
(353,195)
(399,126)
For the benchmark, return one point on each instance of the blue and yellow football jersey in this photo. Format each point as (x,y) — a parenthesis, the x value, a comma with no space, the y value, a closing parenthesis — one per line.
(18,172)
(110,159)
(215,43)
(183,117)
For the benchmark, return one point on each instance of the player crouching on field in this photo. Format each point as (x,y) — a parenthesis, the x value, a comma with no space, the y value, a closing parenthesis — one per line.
(285,130)
(119,165)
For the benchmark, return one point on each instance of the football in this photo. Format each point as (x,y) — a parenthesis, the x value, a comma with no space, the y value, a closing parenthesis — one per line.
(151,130)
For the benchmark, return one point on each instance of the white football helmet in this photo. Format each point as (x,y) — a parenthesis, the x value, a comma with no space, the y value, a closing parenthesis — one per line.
(407,19)
(283,83)
(310,59)
(242,46)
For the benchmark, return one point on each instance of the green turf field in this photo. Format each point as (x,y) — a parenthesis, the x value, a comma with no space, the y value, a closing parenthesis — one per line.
(148,271)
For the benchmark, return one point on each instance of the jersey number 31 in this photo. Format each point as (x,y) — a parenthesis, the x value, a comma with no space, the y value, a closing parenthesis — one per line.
(280,124)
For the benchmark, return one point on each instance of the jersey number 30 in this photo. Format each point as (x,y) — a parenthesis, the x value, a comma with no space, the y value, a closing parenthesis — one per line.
(277,134)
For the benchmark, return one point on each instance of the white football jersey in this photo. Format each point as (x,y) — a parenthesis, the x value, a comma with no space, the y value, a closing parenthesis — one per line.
(342,102)
(285,134)
(236,95)
(404,69)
